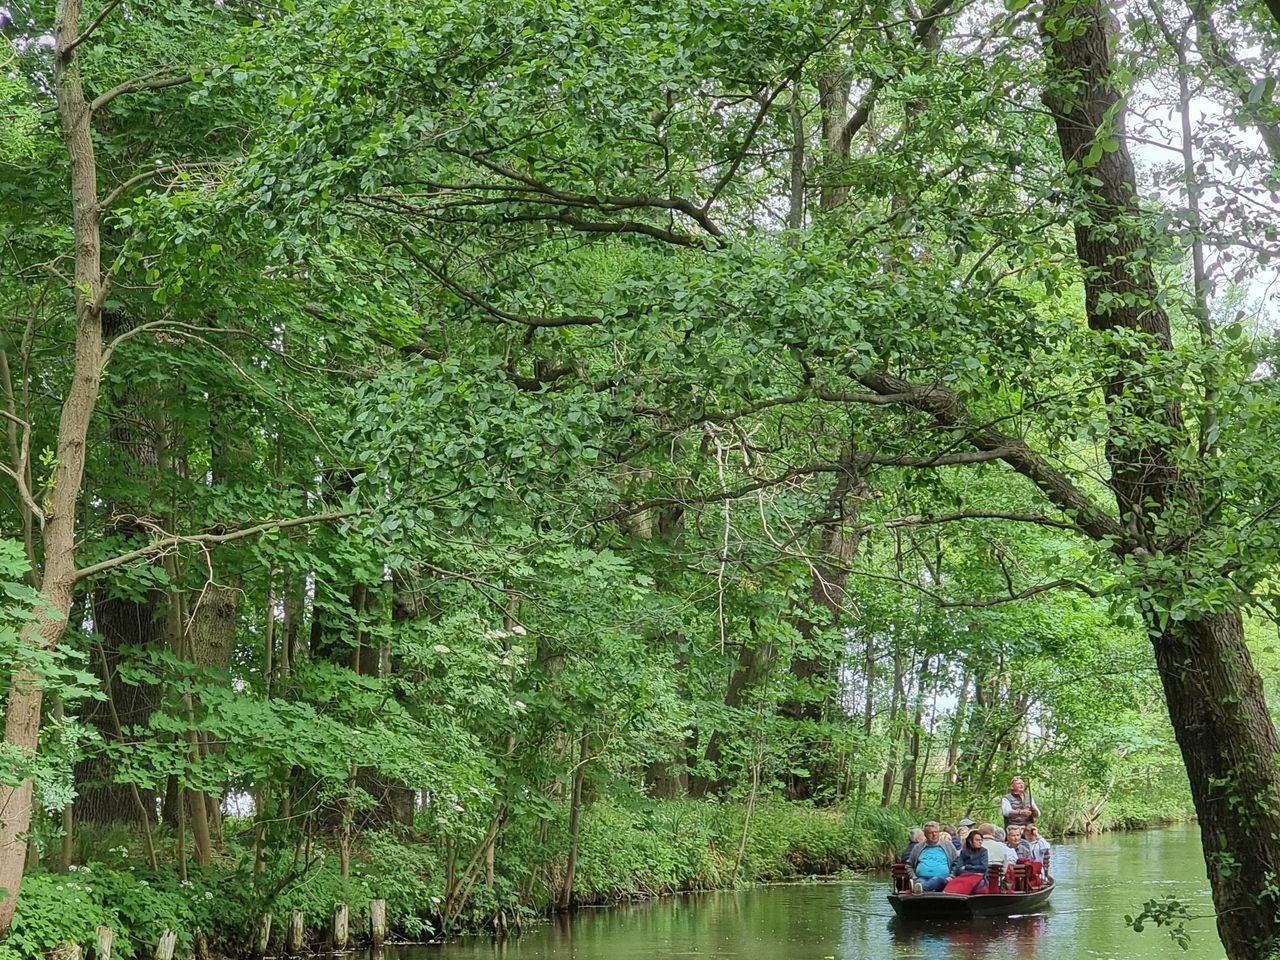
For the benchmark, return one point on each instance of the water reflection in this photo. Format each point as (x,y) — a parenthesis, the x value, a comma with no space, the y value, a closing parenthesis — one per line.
(1014,938)
(1098,881)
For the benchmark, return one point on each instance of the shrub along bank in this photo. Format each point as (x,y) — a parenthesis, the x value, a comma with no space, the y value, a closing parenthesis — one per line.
(626,852)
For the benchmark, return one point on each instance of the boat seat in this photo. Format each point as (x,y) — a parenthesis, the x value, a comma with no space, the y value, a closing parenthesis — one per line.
(901,880)
(1021,878)
(995,878)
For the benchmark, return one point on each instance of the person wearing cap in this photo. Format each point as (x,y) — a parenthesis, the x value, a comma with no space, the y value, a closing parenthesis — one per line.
(962,831)
(1017,805)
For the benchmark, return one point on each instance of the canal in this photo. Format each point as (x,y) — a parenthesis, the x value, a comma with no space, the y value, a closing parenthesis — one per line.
(1099,881)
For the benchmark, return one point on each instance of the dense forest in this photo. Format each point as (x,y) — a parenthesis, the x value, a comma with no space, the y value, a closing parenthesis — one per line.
(516,453)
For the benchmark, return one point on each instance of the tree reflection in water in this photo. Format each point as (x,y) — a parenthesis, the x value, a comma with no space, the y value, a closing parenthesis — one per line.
(1002,938)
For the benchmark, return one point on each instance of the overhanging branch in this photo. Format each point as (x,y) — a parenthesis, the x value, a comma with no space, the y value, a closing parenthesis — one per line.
(165,544)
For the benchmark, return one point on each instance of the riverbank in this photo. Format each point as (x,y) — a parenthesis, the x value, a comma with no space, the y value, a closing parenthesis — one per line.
(641,850)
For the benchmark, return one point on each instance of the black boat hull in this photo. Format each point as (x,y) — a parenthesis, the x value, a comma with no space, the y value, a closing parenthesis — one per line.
(953,906)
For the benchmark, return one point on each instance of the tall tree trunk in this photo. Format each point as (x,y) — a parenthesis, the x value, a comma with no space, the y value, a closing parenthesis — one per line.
(953,744)
(125,621)
(754,666)
(911,742)
(816,667)
(575,819)
(833,103)
(1214,693)
(22,715)
(895,705)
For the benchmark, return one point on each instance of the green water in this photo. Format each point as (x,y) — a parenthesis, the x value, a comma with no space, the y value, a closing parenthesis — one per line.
(1099,880)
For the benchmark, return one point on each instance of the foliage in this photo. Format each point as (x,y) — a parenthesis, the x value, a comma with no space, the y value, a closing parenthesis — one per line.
(517,414)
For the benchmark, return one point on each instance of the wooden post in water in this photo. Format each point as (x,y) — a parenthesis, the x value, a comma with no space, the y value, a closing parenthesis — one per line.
(102,946)
(263,939)
(340,927)
(168,940)
(377,922)
(295,933)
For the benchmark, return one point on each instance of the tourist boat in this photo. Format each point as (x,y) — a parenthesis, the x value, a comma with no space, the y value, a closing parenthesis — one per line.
(1020,899)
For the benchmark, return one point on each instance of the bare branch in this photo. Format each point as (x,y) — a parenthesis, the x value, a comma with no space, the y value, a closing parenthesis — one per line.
(924,520)
(921,36)
(133,181)
(949,411)
(855,463)
(23,492)
(66,51)
(1011,597)
(1216,52)
(166,544)
(151,82)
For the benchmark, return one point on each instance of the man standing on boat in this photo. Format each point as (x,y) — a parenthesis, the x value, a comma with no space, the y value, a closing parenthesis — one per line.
(1017,805)
(929,865)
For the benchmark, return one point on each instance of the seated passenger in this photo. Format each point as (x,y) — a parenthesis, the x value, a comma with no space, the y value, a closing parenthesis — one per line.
(929,866)
(950,833)
(917,834)
(970,868)
(1017,843)
(997,852)
(1037,845)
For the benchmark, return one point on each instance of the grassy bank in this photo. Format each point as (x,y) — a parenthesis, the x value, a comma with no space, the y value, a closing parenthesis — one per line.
(633,851)
(627,852)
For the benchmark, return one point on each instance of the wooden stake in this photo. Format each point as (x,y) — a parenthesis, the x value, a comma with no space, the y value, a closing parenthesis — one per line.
(295,934)
(202,946)
(377,922)
(102,950)
(263,938)
(164,949)
(340,927)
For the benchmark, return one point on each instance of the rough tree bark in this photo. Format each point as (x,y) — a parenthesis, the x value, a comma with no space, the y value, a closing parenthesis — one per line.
(57,583)
(122,622)
(1215,697)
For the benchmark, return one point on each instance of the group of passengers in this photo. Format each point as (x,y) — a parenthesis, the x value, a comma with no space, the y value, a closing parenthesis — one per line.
(958,859)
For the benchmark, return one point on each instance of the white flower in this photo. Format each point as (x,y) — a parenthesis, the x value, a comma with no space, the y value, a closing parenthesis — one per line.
(73,867)
(520,705)
(208,894)
(441,648)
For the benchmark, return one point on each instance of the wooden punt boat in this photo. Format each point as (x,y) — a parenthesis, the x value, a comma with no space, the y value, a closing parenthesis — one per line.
(1020,899)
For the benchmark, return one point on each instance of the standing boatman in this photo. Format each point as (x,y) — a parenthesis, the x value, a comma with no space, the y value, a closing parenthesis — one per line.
(1017,805)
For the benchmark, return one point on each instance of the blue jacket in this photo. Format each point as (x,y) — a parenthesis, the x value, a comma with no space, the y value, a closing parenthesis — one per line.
(971,861)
